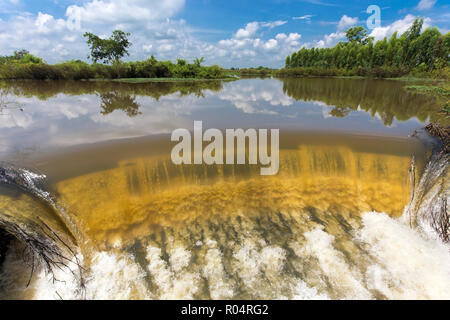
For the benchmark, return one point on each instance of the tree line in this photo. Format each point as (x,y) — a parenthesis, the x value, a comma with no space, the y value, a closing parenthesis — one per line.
(413,52)
(106,55)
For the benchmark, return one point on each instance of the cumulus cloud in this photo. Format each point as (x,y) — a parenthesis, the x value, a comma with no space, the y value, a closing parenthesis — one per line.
(154,30)
(379,33)
(425,4)
(124,11)
(400,26)
(347,22)
(330,40)
(247,32)
(247,43)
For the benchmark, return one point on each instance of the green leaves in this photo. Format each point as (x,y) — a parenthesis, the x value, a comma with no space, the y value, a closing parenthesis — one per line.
(358,35)
(108,50)
(198,62)
(425,53)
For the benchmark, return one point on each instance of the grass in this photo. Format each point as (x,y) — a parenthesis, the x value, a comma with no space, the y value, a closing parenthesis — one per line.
(434,90)
(417,79)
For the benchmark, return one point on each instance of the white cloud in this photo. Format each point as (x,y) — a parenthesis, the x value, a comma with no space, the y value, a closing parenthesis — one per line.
(147,48)
(330,40)
(148,21)
(425,4)
(155,30)
(273,24)
(248,44)
(124,11)
(400,26)
(305,17)
(322,3)
(258,51)
(248,32)
(347,22)
(271,44)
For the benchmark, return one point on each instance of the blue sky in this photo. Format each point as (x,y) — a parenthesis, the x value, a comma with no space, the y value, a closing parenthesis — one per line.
(230,33)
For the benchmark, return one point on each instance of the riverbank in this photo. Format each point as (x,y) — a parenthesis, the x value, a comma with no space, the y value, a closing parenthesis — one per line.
(378,72)
(80,70)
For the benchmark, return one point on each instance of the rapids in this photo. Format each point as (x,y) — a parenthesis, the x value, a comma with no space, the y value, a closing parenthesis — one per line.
(334,224)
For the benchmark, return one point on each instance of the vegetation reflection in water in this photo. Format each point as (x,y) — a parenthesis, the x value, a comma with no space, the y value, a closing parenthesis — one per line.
(387,98)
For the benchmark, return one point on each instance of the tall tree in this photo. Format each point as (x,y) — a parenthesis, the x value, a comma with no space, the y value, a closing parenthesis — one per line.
(108,50)
(358,35)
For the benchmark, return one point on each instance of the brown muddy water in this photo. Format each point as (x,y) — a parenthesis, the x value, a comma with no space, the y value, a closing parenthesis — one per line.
(89,163)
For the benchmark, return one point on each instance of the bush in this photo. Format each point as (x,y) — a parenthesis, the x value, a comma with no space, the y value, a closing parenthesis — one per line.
(31,67)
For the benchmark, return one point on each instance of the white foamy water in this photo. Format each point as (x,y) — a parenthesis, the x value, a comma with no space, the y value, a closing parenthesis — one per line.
(393,262)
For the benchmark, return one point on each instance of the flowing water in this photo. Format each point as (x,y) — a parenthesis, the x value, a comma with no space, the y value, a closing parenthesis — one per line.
(87,179)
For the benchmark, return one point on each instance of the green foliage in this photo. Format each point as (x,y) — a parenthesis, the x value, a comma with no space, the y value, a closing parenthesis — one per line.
(260,71)
(20,54)
(431,90)
(419,54)
(358,35)
(108,50)
(20,57)
(31,67)
(198,61)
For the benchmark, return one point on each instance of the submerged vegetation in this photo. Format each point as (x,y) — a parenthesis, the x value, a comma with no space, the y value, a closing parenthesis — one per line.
(415,53)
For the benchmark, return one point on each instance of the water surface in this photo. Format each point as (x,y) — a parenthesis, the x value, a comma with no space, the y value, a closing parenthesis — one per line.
(325,227)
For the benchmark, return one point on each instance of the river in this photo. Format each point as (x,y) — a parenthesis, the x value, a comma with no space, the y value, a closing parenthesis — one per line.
(88,181)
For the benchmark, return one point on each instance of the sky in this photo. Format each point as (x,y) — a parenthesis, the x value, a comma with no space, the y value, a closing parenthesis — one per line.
(231,33)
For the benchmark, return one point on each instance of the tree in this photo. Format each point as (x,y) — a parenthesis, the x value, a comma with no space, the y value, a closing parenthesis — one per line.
(198,61)
(358,35)
(414,31)
(20,54)
(288,62)
(108,50)
(181,62)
